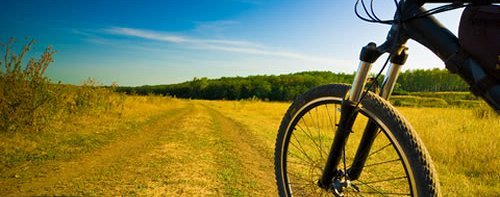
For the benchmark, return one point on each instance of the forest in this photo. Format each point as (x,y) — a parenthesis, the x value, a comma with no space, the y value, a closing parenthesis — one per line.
(287,86)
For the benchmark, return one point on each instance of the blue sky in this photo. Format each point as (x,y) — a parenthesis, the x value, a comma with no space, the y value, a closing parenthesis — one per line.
(162,42)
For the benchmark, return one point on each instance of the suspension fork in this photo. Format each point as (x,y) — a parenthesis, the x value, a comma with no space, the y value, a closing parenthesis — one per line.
(369,54)
(349,112)
(371,129)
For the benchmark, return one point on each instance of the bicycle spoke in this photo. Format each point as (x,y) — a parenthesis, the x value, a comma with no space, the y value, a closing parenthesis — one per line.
(303,152)
(300,158)
(299,183)
(319,133)
(384,162)
(388,193)
(299,163)
(380,149)
(309,135)
(298,177)
(303,185)
(295,136)
(372,188)
(316,130)
(329,117)
(358,194)
(318,127)
(378,132)
(386,180)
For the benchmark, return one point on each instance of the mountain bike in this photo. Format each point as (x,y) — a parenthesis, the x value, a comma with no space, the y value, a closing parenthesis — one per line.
(345,140)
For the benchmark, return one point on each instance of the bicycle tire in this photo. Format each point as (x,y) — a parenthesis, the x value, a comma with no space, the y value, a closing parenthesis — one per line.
(421,175)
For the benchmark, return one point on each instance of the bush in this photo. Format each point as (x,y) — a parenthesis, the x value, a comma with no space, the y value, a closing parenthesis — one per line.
(432,102)
(406,101)
(466,103)
(92,97)
(416,101)
(26,96)
(30,102)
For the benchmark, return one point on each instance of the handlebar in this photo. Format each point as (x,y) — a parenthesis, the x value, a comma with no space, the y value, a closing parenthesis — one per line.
(451,1)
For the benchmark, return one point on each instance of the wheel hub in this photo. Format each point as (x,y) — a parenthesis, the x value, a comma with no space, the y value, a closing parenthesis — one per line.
(341,183)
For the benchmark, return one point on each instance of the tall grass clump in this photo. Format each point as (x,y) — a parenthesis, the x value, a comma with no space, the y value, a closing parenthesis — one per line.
(26,96)
(92,97)
(484,111)
(30,102)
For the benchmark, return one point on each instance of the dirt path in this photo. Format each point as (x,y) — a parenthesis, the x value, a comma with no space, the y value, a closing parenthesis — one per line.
(246,169)
(191,151)
(79,175)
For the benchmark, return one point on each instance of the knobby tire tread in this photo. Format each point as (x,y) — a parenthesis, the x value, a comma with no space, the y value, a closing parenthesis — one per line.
(417,155)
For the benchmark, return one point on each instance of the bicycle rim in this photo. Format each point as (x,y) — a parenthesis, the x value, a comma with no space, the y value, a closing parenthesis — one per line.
(308,139)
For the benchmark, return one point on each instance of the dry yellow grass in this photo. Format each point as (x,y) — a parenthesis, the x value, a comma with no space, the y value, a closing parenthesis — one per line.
(464,147)
(24,156)
(172,147)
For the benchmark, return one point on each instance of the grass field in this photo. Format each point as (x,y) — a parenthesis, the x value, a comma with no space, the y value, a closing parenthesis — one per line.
(172,147)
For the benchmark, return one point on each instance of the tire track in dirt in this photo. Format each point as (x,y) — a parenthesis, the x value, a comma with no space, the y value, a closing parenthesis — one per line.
(193,150)
(245,168)
(79,175)
(186,160)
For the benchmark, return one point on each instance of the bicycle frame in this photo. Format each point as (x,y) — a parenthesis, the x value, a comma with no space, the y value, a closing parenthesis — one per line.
(428,32)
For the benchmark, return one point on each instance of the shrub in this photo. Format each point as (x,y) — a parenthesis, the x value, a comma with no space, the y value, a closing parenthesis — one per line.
(466,103)
(432,102)
(406,101)
(416,101)
(30,102)
(92,97)
(26,96)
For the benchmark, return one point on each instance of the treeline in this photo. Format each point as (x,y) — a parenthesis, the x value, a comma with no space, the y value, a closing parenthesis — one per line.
(269,87)
(286,87)
(432,80)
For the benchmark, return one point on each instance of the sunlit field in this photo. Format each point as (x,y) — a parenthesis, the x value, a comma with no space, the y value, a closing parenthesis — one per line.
(193,98)
(463,146)
(166,146)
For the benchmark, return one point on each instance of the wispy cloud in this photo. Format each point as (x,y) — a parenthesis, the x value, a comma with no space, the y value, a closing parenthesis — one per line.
(215,26)
(233,46)
(254,2)
(172,38)
(146,34)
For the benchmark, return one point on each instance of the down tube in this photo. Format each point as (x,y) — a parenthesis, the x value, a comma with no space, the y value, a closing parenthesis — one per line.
(443,43)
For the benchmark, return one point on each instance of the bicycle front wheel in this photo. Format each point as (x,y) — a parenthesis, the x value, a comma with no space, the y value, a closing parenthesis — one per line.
(397,164)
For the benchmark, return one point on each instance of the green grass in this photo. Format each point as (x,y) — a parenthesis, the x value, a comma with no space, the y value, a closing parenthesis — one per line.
(436,99)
